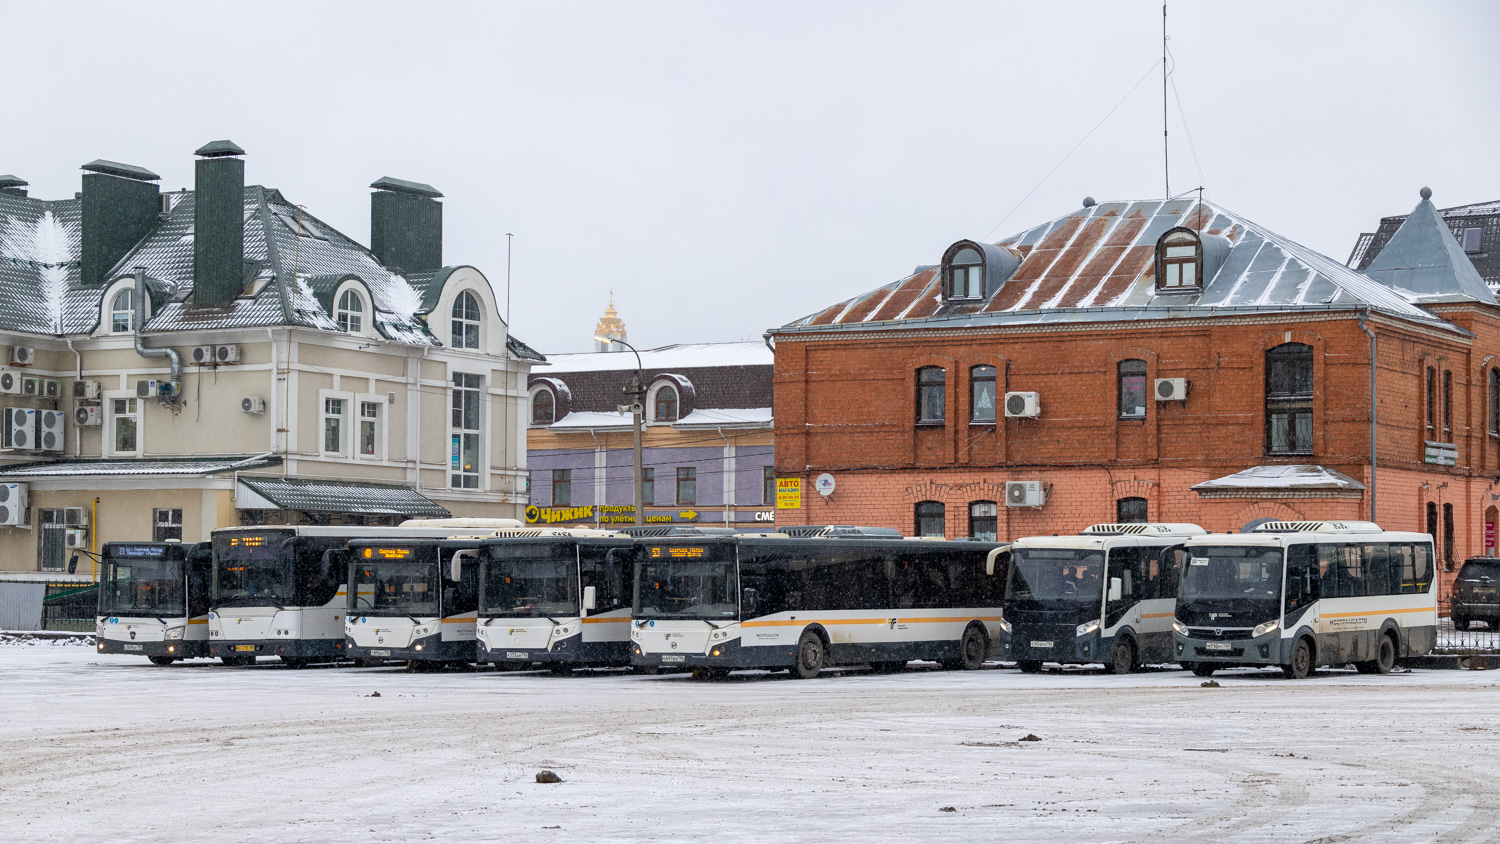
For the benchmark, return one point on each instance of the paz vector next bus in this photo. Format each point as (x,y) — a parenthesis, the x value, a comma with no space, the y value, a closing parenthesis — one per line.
(153,600)
(860,596)
(1303,594)
(1105,595)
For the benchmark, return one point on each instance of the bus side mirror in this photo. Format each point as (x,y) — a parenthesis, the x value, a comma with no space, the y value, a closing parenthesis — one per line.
(1116,589)
(456,567)
(748,601)
(989,560)
(589,597)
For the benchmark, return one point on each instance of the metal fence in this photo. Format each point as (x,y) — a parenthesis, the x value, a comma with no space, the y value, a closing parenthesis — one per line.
(1481,637)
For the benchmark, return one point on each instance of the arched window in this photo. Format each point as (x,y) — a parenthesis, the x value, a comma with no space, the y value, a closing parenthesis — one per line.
(983,520)
(965,279)
(1132,389)
(931,387)
(543,407)
(1495,402)
(982,394)
(1289,393)
(1130,511)
(930,516)
(1431,399)
(466,319)
(1180,255)
(665,407)
(122,312)
(350,312)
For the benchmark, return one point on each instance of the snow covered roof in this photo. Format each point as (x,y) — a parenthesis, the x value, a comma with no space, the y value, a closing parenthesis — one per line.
(87,468)
(679,356)
(704,417)
(1098,264)
(1300,480)
(321,495)
(587,420)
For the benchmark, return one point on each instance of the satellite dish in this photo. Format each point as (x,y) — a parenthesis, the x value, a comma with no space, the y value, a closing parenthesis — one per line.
(824,484)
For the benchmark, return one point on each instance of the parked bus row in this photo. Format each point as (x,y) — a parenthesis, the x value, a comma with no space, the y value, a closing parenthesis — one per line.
(1291,594)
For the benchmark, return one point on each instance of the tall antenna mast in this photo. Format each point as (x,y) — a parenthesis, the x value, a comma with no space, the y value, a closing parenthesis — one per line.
(1166,163)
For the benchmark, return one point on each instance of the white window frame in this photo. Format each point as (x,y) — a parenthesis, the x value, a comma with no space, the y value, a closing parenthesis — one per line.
(129,311)
(350,320)
(110,417)
(531,405)
(649,411)
(107,304)
(382,424)
(345,414)
(454,320)
(482,460)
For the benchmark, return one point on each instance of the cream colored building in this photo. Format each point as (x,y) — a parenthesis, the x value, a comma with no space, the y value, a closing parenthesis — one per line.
(316,381)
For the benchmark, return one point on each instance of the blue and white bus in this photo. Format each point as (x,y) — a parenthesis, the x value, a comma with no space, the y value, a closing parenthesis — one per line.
(153,600)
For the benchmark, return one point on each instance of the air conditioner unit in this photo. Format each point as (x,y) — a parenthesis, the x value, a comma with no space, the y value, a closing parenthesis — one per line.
(88,416)
(74,517)
(22,356)
(203,355)
(50,389)
(19,428)
(12,504)
(1023,405)
(1171,389)
(31,385)
(146,389)
(86,389)
(77,538)
(227,354)
(49,429)
(10,382)
(253,404)
(1025,494)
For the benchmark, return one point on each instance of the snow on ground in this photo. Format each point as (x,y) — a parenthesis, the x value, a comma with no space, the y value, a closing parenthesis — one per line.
(114,749)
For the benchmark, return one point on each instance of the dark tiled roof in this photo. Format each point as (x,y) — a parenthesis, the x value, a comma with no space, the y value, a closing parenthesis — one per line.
(329,496)
(522,351)
(184,466)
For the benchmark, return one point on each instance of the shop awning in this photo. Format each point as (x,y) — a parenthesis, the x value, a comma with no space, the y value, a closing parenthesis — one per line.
(318,495)
(1289,481)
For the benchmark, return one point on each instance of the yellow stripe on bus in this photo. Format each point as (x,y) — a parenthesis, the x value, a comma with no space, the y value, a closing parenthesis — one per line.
(1158,615)
(616,620)
(197,621)
(469,620)
(1371,612)
(831,621)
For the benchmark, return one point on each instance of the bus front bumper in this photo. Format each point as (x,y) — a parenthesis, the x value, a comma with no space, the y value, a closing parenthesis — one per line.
(291,648)
(729,654)
(1269,649)
(1063,646)
(425,649)
(174,648)
(565,651)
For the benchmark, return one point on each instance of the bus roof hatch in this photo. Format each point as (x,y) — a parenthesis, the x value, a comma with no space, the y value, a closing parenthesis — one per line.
(1143,529)
(1318,527)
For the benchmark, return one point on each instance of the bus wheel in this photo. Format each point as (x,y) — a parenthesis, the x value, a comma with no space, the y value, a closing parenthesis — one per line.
(1204,669)
(1030,666)
(971,650)
(1385,655)
(810,656)
(1123,661)
(1301,664)
(1461,623)
(161,660)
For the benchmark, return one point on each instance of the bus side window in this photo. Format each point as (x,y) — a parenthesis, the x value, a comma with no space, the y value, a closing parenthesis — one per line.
(465,597)
(1122,565)
(1378,560)
(199,567)
(1302,575)
(1416,579)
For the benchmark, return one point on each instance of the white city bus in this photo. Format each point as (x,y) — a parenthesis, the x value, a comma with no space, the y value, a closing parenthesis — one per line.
(772,601)
(1105,595)
(555,596)
(413,600)
(153,600)
(1304,594)
(279,591)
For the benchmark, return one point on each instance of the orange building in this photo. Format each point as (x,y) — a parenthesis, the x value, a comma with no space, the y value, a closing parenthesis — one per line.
(1153,360)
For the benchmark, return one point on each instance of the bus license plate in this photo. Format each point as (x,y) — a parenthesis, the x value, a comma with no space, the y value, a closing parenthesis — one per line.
(374,652)
(674,658)
(135,647)
(515,654)
(1216,646)
(244,647)
(1041,644)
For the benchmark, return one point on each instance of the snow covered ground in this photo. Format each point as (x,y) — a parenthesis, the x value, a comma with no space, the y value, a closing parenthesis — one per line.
(114,749)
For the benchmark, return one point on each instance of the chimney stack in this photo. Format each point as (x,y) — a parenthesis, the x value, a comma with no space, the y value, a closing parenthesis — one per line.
(406,225)
(218,225)
(14,185)
(120,205)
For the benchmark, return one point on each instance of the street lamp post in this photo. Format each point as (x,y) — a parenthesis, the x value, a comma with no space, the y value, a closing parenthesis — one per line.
(636,392)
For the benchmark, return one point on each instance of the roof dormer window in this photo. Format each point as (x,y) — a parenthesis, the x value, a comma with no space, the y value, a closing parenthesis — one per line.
(964,277)
(1179,258)
(350,312)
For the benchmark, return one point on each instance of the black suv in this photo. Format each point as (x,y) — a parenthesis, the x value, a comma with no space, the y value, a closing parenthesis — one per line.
(1476,593)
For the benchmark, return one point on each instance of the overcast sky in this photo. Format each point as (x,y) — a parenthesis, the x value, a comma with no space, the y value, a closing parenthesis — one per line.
(726,168)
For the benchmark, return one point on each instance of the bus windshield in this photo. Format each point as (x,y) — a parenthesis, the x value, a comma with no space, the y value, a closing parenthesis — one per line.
(253,570)
(531,581)
(692,586)
(397,585)
(1056,574)
(1230,585)
(146,580)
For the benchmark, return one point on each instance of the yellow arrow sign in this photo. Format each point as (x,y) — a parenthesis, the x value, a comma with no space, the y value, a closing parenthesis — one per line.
(688,514)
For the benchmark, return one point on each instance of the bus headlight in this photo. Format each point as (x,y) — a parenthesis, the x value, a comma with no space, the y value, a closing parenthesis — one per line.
(99,628)
(1263,629)
(175,632)
(1179,627)
(1004,625)
(1088,627)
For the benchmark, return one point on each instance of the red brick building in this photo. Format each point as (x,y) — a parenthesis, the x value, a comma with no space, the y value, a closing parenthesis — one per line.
(1163,361)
